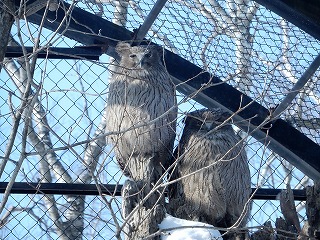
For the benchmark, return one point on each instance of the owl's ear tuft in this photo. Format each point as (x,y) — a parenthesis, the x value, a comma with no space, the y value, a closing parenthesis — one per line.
(122,48)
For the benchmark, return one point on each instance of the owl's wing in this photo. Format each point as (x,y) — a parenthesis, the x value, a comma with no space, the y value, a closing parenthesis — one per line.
(174,191)
(172,119)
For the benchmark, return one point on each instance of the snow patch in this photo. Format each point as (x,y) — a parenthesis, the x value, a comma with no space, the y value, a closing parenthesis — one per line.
(187,232)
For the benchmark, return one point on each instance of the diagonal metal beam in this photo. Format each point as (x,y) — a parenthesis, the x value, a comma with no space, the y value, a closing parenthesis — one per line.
(210,91)
(304,14)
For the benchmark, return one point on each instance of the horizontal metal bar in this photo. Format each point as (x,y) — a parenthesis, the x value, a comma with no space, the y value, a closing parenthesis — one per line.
(91,53)
(62,188)
(115,190)
(280,136)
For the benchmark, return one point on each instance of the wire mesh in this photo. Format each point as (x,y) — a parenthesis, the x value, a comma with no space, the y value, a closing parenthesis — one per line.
(244,44)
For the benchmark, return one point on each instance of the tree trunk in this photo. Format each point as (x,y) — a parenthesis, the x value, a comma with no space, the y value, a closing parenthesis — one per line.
(313,210)
(6,18)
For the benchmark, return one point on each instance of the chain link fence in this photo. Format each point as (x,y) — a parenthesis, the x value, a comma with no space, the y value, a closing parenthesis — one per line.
(241,42)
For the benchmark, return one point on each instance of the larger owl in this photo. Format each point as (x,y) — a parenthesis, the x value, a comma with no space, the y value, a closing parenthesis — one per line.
(141,121)
(141,111)
(212,162)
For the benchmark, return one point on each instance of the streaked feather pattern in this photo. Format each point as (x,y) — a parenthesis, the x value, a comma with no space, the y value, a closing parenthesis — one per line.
(218,193)
(141,97)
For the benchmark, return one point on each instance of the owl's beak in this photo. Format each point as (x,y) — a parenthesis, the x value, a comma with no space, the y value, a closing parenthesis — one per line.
(140,58)
(208,125)
(142,62)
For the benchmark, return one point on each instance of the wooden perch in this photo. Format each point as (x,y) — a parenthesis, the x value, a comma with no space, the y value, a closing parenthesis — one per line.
(313,211)
(288,209)
(142,216)
(289,226)
(265,233)
(285,230)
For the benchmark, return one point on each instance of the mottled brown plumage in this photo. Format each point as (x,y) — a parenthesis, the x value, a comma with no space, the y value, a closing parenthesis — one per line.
(141,97)
(216,195)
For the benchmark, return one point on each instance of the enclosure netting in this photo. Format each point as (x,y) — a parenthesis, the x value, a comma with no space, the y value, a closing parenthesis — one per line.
(244,44)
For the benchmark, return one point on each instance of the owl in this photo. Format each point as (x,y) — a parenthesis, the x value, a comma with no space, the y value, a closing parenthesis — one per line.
(141,112)
(211,161)
(141,120)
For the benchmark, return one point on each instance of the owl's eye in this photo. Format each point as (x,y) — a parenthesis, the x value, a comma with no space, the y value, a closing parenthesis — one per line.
(132,55)
(148,54)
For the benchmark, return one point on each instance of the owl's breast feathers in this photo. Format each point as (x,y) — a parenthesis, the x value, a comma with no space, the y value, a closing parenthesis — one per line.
(143,101)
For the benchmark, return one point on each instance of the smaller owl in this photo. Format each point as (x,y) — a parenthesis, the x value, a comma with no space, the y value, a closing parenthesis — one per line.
(212,163)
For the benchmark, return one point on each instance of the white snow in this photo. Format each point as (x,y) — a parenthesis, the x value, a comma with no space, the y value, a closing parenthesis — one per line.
(187,232)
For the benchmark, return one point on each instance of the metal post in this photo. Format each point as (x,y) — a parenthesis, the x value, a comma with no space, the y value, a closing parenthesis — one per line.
(152,16)
(297,87)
